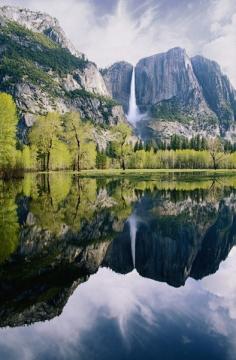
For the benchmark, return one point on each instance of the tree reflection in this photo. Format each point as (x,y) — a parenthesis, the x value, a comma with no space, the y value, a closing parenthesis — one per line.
(57,229)
(9,226)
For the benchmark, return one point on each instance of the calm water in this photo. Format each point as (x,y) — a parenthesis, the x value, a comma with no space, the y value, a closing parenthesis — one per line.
(118,268)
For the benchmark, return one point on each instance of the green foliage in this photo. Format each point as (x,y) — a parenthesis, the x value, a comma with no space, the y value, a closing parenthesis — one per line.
(169,159)
(43,135)
(170,110)
(60,156)
(8,122)
(113,149)
(29,158)
(23,69)
(122,132)
(39,49)
(65,142)
(178,142)
(139,146)
(215,147)
(105,106)
(33,56)
(88,155)
(108,101)
(79,138)
(9,227)
(101,160)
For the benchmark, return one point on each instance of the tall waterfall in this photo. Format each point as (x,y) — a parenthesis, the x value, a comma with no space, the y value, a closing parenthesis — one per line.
(133,114)
(133,231)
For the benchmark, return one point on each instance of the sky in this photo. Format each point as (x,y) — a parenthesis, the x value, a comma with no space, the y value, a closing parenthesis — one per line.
(112,30)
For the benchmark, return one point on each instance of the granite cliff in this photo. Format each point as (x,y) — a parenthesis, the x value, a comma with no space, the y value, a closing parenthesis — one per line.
(118,80)
(44,72)
(179,95)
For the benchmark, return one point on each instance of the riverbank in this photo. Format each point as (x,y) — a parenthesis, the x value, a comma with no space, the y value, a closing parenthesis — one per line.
(111,172)
(133,172)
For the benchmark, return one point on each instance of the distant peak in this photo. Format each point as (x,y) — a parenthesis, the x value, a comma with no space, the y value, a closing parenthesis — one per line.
(203,60)
(177,49)
(39,22)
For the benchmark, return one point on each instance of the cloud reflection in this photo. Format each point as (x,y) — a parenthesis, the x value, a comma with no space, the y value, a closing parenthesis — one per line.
(131,311)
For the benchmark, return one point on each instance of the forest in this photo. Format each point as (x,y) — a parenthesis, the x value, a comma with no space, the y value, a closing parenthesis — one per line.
(66,142)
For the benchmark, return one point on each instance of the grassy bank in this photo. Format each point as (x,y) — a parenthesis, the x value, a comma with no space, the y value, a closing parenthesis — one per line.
(145,172)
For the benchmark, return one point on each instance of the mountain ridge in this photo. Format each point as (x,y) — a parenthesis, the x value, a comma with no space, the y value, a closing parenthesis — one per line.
(40,68)
(170,88)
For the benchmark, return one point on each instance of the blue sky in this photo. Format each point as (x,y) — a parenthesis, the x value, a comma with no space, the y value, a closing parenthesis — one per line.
(111,30)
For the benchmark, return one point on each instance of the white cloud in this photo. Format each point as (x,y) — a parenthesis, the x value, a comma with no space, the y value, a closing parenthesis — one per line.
(223,286)
(222,46)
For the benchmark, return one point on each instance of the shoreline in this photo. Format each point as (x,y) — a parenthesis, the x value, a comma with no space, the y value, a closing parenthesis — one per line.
(128,173)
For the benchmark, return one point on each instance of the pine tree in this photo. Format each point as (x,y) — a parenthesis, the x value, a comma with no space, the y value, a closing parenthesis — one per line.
(148,146)
(101,160)
(140,145)
(203,144)
(136,146)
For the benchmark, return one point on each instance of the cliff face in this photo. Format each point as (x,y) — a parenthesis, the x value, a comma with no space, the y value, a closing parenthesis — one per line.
(43,71)
(168,89)
(217,90)
(169,76)
(178,95)
(118,81)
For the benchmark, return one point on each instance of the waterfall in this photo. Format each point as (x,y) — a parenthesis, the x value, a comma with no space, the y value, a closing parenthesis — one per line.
(133,231)
(133,114)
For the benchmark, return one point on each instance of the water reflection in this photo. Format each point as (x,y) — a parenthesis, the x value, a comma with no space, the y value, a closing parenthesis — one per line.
(59,230)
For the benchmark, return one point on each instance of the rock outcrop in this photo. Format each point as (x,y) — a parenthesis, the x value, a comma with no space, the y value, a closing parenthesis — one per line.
(168,76)
(118,81)
(217,90)
(168,89)
(43,71)
(39,22)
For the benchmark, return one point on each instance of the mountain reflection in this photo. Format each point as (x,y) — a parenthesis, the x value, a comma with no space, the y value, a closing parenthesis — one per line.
(57,230)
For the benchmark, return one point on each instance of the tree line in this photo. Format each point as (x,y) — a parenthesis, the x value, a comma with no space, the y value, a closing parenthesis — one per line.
(58,142)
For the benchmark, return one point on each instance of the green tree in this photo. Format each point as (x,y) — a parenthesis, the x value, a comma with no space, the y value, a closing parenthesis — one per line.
(203,144)
(148,146)
(101,160)
(136,146)
(8,123)
(88,155)
(175,142)
(43,134)
(140,145)
(60,156)
(79,138)
(216,151)
(228,146)
(122,132)
(9,226)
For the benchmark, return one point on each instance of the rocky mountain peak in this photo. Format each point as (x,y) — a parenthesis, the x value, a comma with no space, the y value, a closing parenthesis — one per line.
(39,22)
(45,72)
(167,76)
(217,90)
